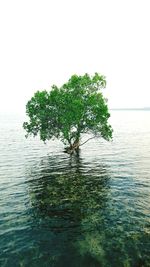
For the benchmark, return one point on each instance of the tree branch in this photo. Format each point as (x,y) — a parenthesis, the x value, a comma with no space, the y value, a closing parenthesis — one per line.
(87,140)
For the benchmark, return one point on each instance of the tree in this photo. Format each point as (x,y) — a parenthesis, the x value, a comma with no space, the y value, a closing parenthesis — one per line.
(65,113)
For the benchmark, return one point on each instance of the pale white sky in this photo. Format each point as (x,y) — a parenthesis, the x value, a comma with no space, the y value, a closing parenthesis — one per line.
(44,42)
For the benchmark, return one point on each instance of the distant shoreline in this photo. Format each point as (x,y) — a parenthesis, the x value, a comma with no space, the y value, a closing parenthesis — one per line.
(130,109)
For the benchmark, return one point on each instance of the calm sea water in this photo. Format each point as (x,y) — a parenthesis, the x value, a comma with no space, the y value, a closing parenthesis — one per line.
(62,211)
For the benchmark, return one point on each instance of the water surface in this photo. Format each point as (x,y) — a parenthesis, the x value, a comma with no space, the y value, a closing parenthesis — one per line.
(88,211)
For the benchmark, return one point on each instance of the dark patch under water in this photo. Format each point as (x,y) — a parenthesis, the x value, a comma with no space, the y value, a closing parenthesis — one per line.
(88,211)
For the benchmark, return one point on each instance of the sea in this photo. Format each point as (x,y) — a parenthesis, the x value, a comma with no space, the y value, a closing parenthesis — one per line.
(89,210)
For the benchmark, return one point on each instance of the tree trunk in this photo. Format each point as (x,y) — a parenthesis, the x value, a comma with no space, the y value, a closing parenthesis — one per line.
(73,147)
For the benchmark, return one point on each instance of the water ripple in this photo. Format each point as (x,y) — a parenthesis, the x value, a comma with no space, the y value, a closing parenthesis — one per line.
(92,210)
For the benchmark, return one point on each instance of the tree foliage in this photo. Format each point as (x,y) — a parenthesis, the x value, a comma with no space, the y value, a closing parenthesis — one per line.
(77,107)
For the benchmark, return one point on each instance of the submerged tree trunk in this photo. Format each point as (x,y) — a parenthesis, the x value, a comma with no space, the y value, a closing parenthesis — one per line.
(73,147)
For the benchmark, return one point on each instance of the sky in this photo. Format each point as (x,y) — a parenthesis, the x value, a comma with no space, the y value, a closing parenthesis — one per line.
(44,42)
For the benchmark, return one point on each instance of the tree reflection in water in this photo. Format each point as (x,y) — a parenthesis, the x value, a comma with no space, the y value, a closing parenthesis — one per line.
(67,197)
(77,219)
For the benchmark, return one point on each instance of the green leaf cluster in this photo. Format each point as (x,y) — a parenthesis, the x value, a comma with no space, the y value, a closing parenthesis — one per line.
(77,107)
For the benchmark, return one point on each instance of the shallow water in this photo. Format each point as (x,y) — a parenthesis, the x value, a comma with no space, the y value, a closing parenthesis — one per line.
(88,211)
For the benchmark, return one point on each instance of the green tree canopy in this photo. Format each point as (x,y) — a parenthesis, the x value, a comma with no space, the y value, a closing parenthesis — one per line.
(77,107)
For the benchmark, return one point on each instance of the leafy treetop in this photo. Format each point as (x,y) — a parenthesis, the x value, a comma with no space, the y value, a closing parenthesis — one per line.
(77,107)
